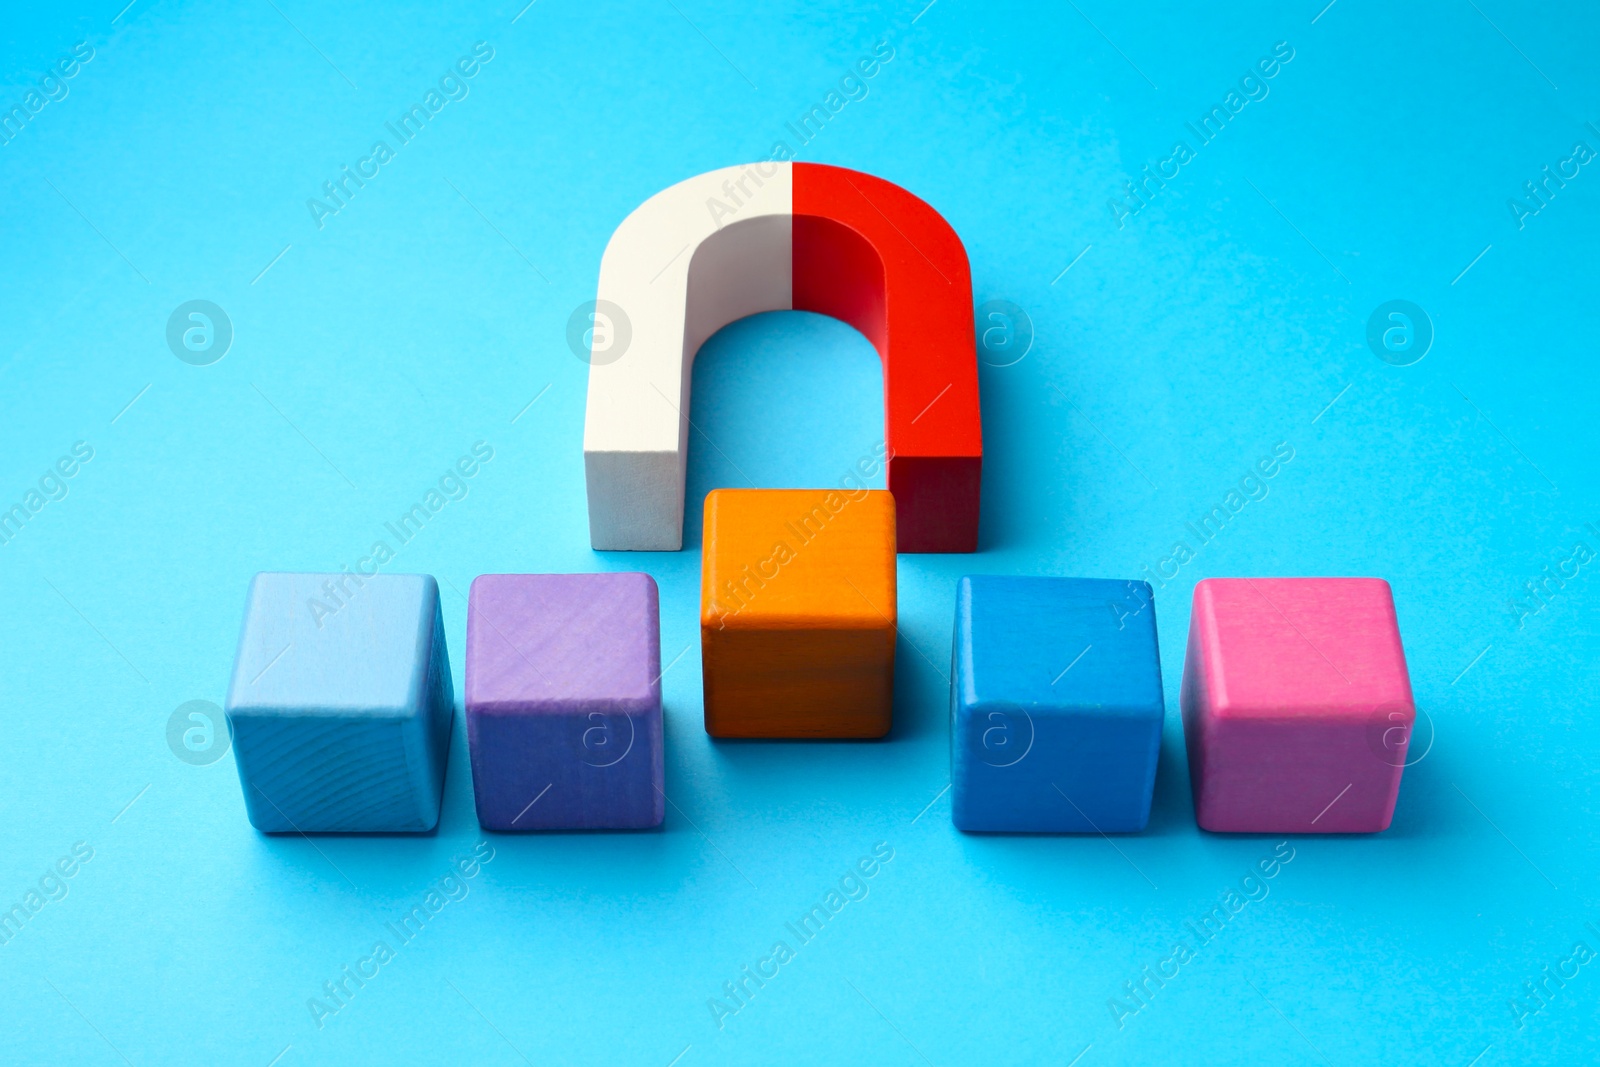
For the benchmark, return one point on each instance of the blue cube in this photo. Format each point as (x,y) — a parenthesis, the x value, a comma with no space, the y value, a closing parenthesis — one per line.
(1055,705)
(341,703)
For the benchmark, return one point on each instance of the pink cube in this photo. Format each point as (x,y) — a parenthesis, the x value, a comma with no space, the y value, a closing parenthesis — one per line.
(1297,706)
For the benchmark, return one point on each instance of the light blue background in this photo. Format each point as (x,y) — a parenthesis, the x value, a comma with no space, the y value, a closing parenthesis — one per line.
(1224,318)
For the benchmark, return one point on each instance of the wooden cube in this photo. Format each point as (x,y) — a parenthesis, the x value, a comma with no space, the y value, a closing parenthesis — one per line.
(564,701)
(1297,705)
(341,703)
(1055,705)
(797,612)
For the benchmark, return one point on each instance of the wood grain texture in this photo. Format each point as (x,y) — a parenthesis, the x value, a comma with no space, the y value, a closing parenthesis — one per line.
(341,703)
(1056,705)
(1297,705)
(563,701)
(798,611)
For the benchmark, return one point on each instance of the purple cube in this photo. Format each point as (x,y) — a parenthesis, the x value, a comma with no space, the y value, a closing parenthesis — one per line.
(564,701)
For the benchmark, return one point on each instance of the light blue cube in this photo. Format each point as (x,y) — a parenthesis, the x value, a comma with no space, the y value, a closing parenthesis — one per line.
(341,703)
(1055,705)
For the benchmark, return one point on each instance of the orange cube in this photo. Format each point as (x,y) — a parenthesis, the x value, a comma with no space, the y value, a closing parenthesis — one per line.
(797,612)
